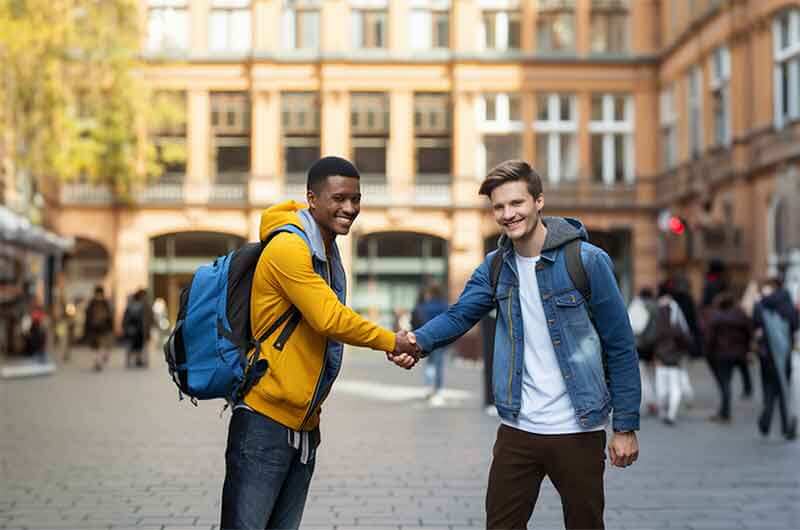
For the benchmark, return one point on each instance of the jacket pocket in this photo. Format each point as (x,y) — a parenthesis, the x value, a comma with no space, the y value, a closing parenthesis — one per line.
(571,308)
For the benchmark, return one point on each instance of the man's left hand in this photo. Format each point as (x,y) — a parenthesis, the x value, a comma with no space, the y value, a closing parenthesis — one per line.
(623,449)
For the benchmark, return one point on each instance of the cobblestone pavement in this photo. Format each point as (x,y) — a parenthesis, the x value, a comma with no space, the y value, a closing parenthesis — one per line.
(81,450)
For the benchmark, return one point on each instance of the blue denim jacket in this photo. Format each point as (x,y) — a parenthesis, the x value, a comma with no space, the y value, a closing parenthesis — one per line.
(578,345)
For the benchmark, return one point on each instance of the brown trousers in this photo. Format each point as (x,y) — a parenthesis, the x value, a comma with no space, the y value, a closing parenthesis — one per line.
(574,463)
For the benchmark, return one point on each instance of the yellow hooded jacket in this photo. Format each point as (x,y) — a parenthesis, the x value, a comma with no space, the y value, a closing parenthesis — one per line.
(301,373)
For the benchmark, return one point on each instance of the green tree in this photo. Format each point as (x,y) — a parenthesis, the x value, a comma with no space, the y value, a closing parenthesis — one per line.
(70,98)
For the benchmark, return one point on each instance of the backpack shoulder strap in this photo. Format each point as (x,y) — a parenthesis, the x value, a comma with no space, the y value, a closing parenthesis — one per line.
(494,270)
(290,228)
(577,273)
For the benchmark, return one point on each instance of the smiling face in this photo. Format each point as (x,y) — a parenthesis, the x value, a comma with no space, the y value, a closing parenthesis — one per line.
(515,210)
(335,205)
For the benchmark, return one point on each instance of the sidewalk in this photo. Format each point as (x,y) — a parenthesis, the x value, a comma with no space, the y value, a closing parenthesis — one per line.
(117,450)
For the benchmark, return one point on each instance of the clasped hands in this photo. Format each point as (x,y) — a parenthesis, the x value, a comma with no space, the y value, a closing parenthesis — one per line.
(406,352)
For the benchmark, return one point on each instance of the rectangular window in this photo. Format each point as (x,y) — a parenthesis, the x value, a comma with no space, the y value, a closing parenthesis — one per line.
(301,28)
(230,135)
(501,30)
(500,125)
(370,28)
(429,24)
(168,130)
(300,123)
(668,121)
(556,128)
(432,134)
(229,26)
(720,95)
(695,100)
(786,35)
(610,26)
(167,26)
(369,127)
(611,129)
(555,26)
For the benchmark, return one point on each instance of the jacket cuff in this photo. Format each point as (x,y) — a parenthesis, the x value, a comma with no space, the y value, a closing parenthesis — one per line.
(625,422)
(424,342)
(385,342)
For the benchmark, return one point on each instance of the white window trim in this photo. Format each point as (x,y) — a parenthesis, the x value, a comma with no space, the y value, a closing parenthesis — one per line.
(289,23)
(720,82)
(668,119)
(500,30)
(791,55)
(695,78)
(608,128)
(501,125)
(492,5)
(433,5)
(555,128)
(369,4)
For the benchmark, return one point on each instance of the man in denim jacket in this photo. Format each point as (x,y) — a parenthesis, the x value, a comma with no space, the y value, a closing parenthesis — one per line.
(551,389)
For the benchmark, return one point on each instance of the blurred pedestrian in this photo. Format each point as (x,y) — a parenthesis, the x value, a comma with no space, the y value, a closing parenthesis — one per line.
(728,336)
(432,304)
(776,318)
(643,312)
(36,336)
(136,323)
(680,291)
(99,327)
(673,340)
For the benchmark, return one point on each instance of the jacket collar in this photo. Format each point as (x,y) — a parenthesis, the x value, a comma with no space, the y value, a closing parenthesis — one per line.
(315,236)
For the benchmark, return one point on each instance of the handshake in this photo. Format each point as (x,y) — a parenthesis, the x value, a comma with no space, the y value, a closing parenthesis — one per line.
(406,352)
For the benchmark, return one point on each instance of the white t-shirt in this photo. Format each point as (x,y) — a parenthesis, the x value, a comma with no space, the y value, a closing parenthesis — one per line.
(546,405)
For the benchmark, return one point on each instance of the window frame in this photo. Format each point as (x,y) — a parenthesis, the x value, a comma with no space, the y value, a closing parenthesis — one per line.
(668,126)
(609,10)
(503,124)
(786,106)
(299,135)
(433,136)
(223,134)
(556,130)
(547,16)
(291,17)
(609,128)
(719,85)
(694,106)
(503,18)
(230,8)
(371,137)
(168,9)
(362,17)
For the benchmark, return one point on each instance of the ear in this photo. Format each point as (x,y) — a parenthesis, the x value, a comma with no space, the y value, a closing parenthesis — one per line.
(311,198)
(540,203)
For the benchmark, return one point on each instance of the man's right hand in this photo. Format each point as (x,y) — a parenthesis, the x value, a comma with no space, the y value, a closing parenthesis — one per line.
(406,352)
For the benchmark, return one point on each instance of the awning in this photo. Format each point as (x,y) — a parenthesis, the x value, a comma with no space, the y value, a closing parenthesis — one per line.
(18,230)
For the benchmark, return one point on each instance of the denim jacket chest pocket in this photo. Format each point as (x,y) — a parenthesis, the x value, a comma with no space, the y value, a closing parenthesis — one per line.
(571,308)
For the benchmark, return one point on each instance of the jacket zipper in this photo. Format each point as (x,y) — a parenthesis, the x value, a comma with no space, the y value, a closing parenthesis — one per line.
(311,406)
(513,349)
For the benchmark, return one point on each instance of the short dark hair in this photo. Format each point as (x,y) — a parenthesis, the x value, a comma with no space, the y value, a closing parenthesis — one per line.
(510,171)
(328,167)
(98,289)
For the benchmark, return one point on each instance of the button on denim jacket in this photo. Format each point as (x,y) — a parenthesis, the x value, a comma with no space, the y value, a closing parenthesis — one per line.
(579,345)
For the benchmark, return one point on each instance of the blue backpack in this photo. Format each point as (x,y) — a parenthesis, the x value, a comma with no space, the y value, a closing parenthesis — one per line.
(207,351)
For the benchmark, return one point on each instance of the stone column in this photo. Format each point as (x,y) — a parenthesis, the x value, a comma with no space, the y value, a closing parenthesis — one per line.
(265,186)
(267,27)
(335,134)
(400,163)
(398,27)
(335,14)
(465,142)
(583,26)
(465,21)
(196,188)
(198,27)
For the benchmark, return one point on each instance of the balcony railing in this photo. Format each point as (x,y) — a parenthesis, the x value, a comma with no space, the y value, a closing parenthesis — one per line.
(159,193)
(83,194)
(228,193)
(582,194)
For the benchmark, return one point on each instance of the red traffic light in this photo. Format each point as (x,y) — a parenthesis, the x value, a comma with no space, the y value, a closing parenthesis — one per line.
(676,225)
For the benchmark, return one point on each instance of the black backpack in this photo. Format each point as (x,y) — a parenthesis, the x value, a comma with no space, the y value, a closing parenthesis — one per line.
(576,271)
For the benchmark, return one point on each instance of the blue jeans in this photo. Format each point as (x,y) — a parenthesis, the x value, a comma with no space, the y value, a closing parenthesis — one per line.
(266,485)
(434,371)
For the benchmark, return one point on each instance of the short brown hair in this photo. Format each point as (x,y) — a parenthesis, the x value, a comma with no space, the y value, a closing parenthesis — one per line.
(510,171)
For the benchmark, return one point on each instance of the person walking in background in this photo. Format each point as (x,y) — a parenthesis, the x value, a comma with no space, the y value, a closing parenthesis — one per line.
(680,290)
(99,328)
(432,305)
(36,337)
(776,318)
(642,312)
(673,340)
(728,336)
(136,323)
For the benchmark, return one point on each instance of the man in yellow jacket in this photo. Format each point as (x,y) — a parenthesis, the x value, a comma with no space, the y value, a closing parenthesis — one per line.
(274,431)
